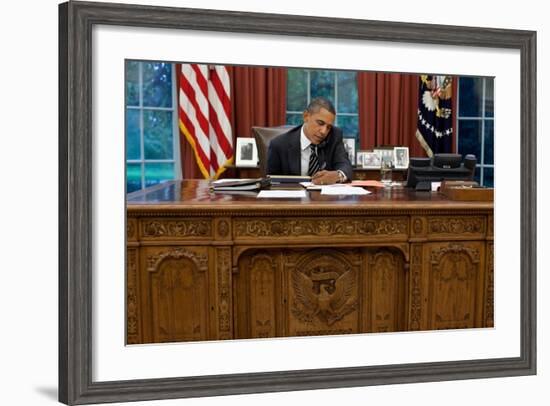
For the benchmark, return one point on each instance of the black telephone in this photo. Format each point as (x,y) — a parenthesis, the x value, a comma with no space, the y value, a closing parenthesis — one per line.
(423,171)
(321,151)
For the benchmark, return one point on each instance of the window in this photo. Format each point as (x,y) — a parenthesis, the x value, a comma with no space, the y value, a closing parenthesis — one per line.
(152,149)
(340,87)
(476,124)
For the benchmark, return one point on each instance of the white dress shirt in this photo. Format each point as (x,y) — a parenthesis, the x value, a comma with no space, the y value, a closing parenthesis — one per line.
(305,152)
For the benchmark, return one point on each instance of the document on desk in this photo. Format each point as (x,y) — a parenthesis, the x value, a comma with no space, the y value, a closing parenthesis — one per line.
(313,186)
(294,194)
(343,190)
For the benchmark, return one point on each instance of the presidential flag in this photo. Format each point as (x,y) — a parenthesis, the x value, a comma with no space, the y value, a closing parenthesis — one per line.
(435,119)
(204,116)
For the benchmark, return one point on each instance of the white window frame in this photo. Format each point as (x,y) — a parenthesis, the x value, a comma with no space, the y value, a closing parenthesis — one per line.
(176,160)
(481,159)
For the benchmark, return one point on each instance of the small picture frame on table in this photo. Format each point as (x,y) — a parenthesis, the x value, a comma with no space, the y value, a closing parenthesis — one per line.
(360,158)
(401,157)
(246,153)
(371,160)
(385,154)
(349,145)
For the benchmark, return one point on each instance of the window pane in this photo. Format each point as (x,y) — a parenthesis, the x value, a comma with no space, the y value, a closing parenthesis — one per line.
(322,84)
(347,92)
(133,150)
(133,177)
(157,172)
(469,138)
(470,97)
(489,97)
(132,83)
(157,84)
(294,119)
(157,133)
(488,177)
(296,95)
(489,143)
(349,125)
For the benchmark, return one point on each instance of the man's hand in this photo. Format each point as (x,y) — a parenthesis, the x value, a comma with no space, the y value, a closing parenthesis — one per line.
(325,177)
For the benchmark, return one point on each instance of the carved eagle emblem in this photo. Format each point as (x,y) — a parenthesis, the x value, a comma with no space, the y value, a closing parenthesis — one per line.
(439,88)
(326,295)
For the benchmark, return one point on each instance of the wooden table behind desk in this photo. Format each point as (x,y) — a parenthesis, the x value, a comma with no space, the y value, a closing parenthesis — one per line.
(207,266)
(358,173)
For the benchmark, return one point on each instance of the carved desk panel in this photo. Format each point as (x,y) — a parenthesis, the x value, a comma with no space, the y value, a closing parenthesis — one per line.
(210,266)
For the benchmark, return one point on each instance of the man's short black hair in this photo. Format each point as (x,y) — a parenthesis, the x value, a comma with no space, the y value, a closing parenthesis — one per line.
(320,103)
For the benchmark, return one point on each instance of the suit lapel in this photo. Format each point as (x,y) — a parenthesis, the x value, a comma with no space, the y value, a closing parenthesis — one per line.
(295,153)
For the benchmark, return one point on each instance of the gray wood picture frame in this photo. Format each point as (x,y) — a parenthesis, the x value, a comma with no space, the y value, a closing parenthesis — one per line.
(76,20)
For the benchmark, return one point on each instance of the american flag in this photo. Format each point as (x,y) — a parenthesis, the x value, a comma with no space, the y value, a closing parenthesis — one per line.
(204,115)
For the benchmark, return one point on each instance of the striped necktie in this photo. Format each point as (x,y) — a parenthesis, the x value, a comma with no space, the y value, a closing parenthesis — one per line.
(313,161)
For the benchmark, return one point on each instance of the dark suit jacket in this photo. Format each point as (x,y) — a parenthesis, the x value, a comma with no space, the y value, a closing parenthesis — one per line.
(284,153)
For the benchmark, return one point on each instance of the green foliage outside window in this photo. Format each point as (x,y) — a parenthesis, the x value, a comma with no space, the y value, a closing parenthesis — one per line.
(150,115)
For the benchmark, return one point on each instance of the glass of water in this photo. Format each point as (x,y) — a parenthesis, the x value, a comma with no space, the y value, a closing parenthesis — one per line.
(385,172)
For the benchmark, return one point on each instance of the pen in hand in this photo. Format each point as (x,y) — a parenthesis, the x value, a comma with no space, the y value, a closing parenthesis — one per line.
(318,173)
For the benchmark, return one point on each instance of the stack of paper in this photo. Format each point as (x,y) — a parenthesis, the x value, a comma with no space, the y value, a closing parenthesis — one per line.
(343,190)
(296,194)
(239,184)
(336,189)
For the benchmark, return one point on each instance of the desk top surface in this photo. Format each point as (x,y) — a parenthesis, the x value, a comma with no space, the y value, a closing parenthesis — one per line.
(196,195)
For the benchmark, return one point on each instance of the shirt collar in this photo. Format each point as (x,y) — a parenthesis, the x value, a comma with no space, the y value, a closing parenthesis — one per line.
(304,141)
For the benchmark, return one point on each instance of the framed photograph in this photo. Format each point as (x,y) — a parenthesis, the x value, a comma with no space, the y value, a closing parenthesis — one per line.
(401,157)
(371,160)
(360,157)
(385,154)
(246,152)
(349,145)
(95,363)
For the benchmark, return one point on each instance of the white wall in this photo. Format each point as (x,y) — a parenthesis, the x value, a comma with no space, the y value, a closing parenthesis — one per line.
(28,164)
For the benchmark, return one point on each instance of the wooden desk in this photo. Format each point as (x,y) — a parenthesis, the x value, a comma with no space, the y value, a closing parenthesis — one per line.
(208,266)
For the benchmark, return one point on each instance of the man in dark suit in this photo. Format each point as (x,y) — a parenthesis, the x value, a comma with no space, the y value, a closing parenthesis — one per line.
(314,148)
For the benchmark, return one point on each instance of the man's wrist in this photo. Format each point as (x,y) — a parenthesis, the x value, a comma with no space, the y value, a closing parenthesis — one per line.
(341,176)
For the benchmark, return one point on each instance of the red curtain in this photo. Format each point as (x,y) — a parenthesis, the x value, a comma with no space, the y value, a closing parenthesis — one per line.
(258,98)
(388,105)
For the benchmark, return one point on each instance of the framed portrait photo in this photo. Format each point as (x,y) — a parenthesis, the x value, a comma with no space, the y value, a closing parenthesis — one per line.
(360,157)
(349,145)
(246,152)
(385,154)
(107,258)
(401,157)
(371,160)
